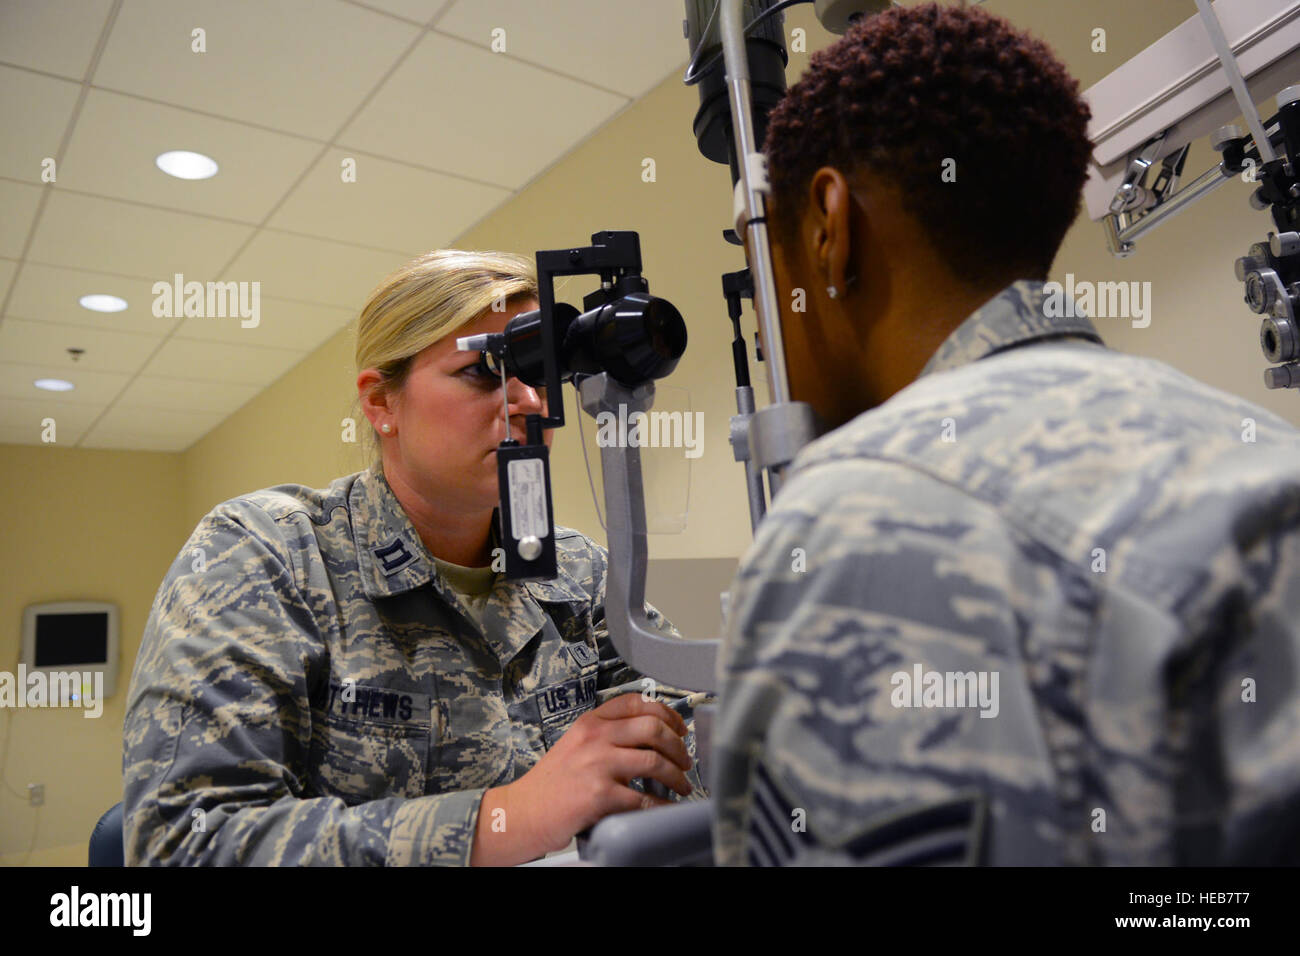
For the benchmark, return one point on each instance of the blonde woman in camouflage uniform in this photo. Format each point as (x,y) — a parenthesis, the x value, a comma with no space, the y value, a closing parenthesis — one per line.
(343,679)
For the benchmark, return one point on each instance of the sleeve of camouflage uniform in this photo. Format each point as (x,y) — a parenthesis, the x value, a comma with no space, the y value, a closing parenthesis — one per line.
(1241,799)
(616,677)
(218,724)
(864,571)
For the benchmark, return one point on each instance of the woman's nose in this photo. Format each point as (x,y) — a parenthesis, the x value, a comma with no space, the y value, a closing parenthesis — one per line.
(524,399)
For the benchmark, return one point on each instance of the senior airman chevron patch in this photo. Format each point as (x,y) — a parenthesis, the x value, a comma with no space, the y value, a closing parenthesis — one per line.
(948,833)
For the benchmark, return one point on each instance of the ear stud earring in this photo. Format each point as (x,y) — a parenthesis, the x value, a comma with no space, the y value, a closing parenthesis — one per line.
(834,293)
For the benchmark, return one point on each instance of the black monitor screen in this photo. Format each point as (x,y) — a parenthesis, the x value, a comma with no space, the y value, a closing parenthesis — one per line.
(71,639)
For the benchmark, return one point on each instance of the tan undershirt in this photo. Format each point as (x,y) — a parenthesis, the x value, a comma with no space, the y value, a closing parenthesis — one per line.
(472,585)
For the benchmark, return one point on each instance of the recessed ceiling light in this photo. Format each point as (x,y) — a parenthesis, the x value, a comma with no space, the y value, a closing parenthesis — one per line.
(54,384)
(102,303)
(186,165)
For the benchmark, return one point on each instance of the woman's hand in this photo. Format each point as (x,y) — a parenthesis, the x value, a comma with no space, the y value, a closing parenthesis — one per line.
(582,779)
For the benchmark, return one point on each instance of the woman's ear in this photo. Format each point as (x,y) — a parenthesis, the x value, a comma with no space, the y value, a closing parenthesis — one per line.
(374,398)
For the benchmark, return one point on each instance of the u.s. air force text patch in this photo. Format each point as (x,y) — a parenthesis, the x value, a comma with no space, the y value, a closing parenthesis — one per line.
(560,704)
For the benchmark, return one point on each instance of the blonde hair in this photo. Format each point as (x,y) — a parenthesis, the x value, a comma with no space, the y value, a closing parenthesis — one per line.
(425,301)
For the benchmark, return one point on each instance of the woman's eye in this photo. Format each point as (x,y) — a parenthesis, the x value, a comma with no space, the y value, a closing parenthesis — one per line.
(478,373)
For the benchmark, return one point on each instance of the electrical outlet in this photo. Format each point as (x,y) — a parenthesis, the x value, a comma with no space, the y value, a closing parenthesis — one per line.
(36,794)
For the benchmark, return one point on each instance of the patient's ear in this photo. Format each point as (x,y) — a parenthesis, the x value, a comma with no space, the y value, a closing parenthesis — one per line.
(831,210)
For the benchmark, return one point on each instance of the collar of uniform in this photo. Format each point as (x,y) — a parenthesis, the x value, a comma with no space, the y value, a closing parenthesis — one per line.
(512,616)
(390,554)
(564,588)
(1013,317)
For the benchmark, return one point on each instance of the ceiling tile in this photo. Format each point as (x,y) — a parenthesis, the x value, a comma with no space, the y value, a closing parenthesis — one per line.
(313,270)
(19,202)
(34,113)
(421,11)
(439,145)
(150,429)
(53,294)
(21,421)
(84,232)
(183,395)
(46,343)
(574,37)
(52,35)
(30,435)
(519,120)
(389,206)
(281,324)
(117,139)
(201,362)
(8,268)
(301,66)
(19,434)
(92,388)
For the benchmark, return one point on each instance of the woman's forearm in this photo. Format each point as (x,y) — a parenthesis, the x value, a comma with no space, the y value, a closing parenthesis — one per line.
(503,836)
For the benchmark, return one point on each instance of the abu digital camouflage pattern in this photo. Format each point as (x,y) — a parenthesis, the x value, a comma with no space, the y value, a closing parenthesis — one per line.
(310,691)
(1040,607)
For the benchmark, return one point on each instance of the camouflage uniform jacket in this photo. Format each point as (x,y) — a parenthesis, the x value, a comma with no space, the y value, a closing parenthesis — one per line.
(1040,607)
(310,691)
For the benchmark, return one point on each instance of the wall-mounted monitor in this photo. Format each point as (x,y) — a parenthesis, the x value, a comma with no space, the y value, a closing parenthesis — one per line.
(72,636)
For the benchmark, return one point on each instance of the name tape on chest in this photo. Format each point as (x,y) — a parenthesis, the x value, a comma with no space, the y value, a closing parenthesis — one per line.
(376,704)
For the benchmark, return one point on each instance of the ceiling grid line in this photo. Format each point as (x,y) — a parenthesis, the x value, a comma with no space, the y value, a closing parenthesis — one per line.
(443,128)
(59,153)
(258,228)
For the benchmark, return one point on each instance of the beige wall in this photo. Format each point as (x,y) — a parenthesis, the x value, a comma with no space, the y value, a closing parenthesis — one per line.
(106,525)
(77,525)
